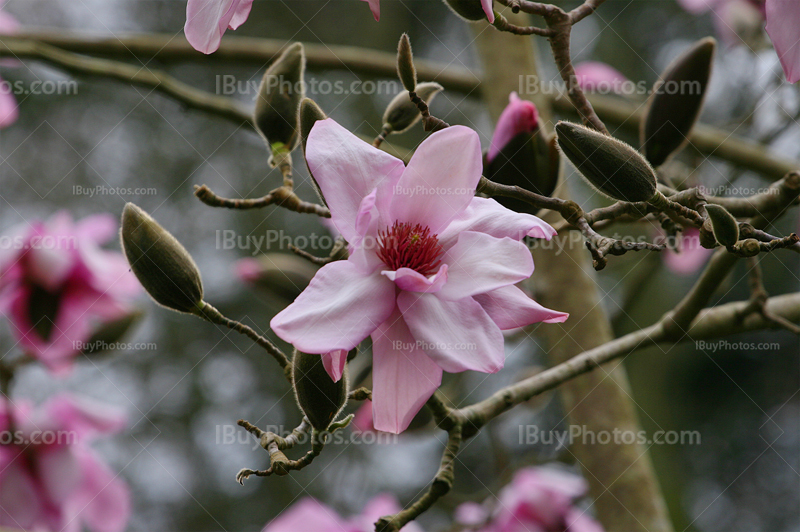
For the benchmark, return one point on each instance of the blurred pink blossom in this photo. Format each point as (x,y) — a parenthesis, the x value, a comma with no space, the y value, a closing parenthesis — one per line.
(691,257)
(783,20)
(50,478)
(431,274)
(375,7)
(57,285)
(313,516)
(538,499)
(519,116)
(594,76)
(208,20)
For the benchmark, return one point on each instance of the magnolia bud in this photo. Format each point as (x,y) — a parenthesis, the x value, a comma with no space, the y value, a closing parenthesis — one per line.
(750,247)
(402,113)
(279,97)
(163,266)
(111,332)
(471,10)
(318,396)
(707,239)
(310,114)
(724,225)
(405,64)
(611,166)
(529,161)
(676,102)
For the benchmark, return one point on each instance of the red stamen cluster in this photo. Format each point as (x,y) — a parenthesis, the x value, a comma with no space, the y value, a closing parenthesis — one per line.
(410,246)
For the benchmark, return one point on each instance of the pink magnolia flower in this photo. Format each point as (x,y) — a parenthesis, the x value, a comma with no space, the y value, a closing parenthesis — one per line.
(783,18)
(594,76)
(519,116)
(57,286)
(309,514)
(50,478)
(431,271)
(692,255)
(208,20)
(375,7)
(538,499)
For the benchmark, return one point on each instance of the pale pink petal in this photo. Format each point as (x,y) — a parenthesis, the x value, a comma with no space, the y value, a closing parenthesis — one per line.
(375,7)
(241,14)
(104,498)
(580,521)
(60,472)
(510,308)
(488,8)
(783,17)
(340,307)
(98,228)
(457,335)
(21,502)
(49,266)
(206,22)
(403,376)
(439,181)
(594,76)
(8,23)
(84,417)
(413,281)
(487,216)
(697,6)
(362,422)
(481,263)
(519,116)
(471,514)
(691,257)
(347,169)
(334,363)
(377,507)
(9,108)
(308,514)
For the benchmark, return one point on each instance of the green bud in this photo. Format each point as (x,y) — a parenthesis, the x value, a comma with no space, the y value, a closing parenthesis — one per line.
(750,247)
(724,225)
(163,266)
(282,89)
(530,161)
(320,399)
(609,165)
(112,332)
(470,10)
(675,104)
(405,64)
(402,113)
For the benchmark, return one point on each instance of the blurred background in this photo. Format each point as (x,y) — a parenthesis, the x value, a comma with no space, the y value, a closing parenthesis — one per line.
(184,393)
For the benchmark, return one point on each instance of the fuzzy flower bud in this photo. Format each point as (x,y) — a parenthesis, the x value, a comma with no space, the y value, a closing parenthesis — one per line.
(319,397)
(282,90)
(724,225)
(402,113)
(405,64)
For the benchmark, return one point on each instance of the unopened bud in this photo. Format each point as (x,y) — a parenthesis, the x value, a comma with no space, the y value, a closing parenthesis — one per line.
(471,10)
(320,399)
(282,89)
(707,239)
(163,266)
(676,102)
(750,247)
(724,225)
(310,114)
(609,165)
(405,64)
(402,113)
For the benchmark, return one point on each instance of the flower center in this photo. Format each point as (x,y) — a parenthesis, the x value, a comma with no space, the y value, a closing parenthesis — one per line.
(410,246)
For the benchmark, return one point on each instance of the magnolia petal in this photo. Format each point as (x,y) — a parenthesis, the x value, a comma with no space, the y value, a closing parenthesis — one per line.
(375,7)
(480,263)
(510,308)
(403,376)
(308,514)
(782,19)
(334,363)
(457,335)
(440,180)
(103,497)
(347,169)
(484,215)
(9,108)
(519,116)
(340,307)
(488,8)
(206,22)
(240,14)
(413,281)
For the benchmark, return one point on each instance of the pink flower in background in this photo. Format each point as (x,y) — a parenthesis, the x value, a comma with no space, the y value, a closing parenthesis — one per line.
(594,76)
(52,479)
(519,116)
(783,20)
(431,271)
(538,499)
(692,255)
(375,7)
(311,515)
(57,286)
(208,20)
